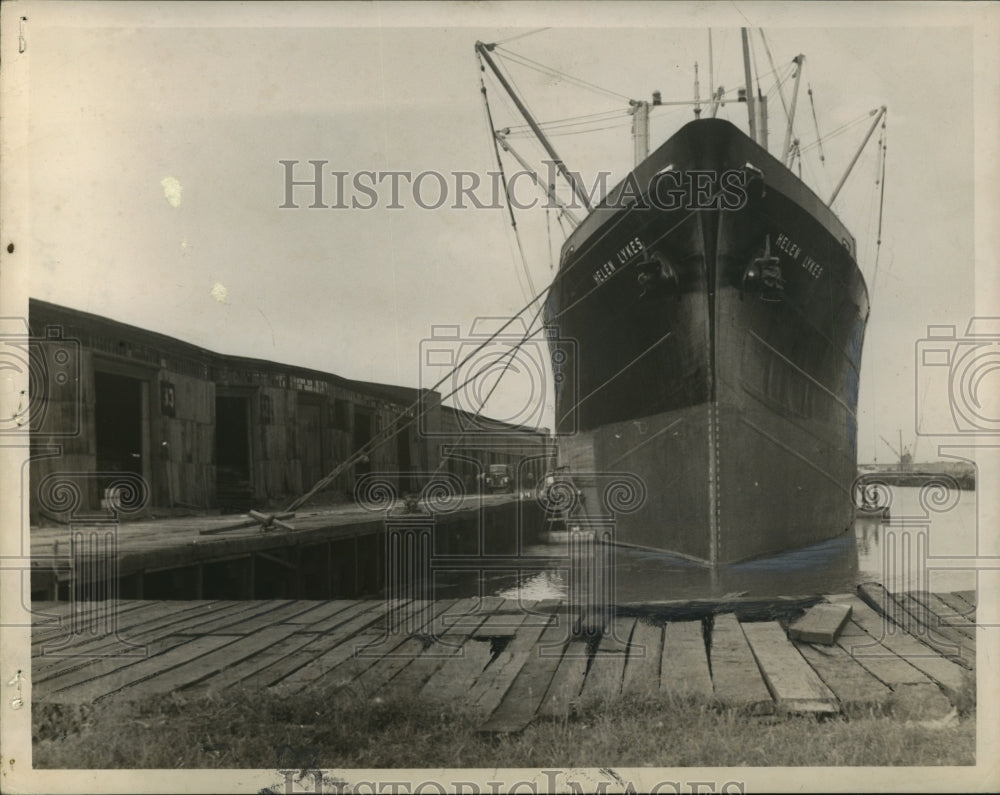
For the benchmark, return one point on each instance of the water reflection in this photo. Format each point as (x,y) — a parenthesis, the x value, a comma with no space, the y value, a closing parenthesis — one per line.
(899,554)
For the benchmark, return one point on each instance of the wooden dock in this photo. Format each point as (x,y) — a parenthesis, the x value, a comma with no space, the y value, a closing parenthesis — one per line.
(330,552)
(514,662)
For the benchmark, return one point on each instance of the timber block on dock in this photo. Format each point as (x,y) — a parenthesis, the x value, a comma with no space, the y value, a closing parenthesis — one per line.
(820,624)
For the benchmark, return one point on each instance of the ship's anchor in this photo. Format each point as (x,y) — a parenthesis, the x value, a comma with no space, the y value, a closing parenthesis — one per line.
(763,276)
(657,274)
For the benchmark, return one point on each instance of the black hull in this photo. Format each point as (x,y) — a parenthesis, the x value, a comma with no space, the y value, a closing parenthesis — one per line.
(730,393)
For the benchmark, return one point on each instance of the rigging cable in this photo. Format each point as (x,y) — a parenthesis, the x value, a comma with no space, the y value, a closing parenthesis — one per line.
(521,36)
(552,72)
(839,130)
(548,235)
(415,411)
(524,130)
(774,71)
(819,137)
(509,355)
(583,117)
(503,178)
(562,227)
(563,134)
(881,203)
(779,83)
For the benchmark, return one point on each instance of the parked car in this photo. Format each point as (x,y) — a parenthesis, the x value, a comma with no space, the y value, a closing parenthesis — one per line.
(498,479)
(557,488)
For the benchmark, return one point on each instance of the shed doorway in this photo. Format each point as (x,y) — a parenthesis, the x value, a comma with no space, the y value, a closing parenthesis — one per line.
(118,413)
(233,483)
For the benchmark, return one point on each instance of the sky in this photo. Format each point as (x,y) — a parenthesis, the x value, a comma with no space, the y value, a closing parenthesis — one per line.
(155,137)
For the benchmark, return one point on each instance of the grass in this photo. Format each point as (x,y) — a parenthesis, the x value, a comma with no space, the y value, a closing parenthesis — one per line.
(243,730)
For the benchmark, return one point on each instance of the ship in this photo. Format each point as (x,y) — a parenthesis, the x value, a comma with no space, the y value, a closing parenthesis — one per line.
(715,313)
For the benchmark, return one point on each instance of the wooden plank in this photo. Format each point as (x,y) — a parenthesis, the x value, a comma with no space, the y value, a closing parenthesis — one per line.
(129,614)
(334,647)
(397,652)
(914,619)
(879,598)
(736,680)
(47,614)
(947,615)
(359,614)
(366,675)
(607,667)
(345,662)
(959,606)
(642,669)
(110,675)
(447,634)
(820,624)
(258,671)
(684,671)
(949,641)
(859,693)
(237,610)
(745,608)
(468,618)
(458,673)
(129,630)
(204,666)
(492,684)
(969,597)
(322,610)
(948,675)
(89,614)
(105,649)
(879,660)
(278,614)
(450,682)
(503,625)
(526,693)
(562,696)
(910,625)
(794,685)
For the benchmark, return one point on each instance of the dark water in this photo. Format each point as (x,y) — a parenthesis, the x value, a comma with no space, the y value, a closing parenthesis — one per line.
(899,554)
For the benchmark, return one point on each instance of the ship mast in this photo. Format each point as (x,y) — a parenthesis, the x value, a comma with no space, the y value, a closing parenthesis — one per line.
(483,50)
(640,129)
(751,109)
(786,150)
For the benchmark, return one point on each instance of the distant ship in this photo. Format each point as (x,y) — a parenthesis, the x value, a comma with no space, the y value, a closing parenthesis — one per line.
(718,314)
